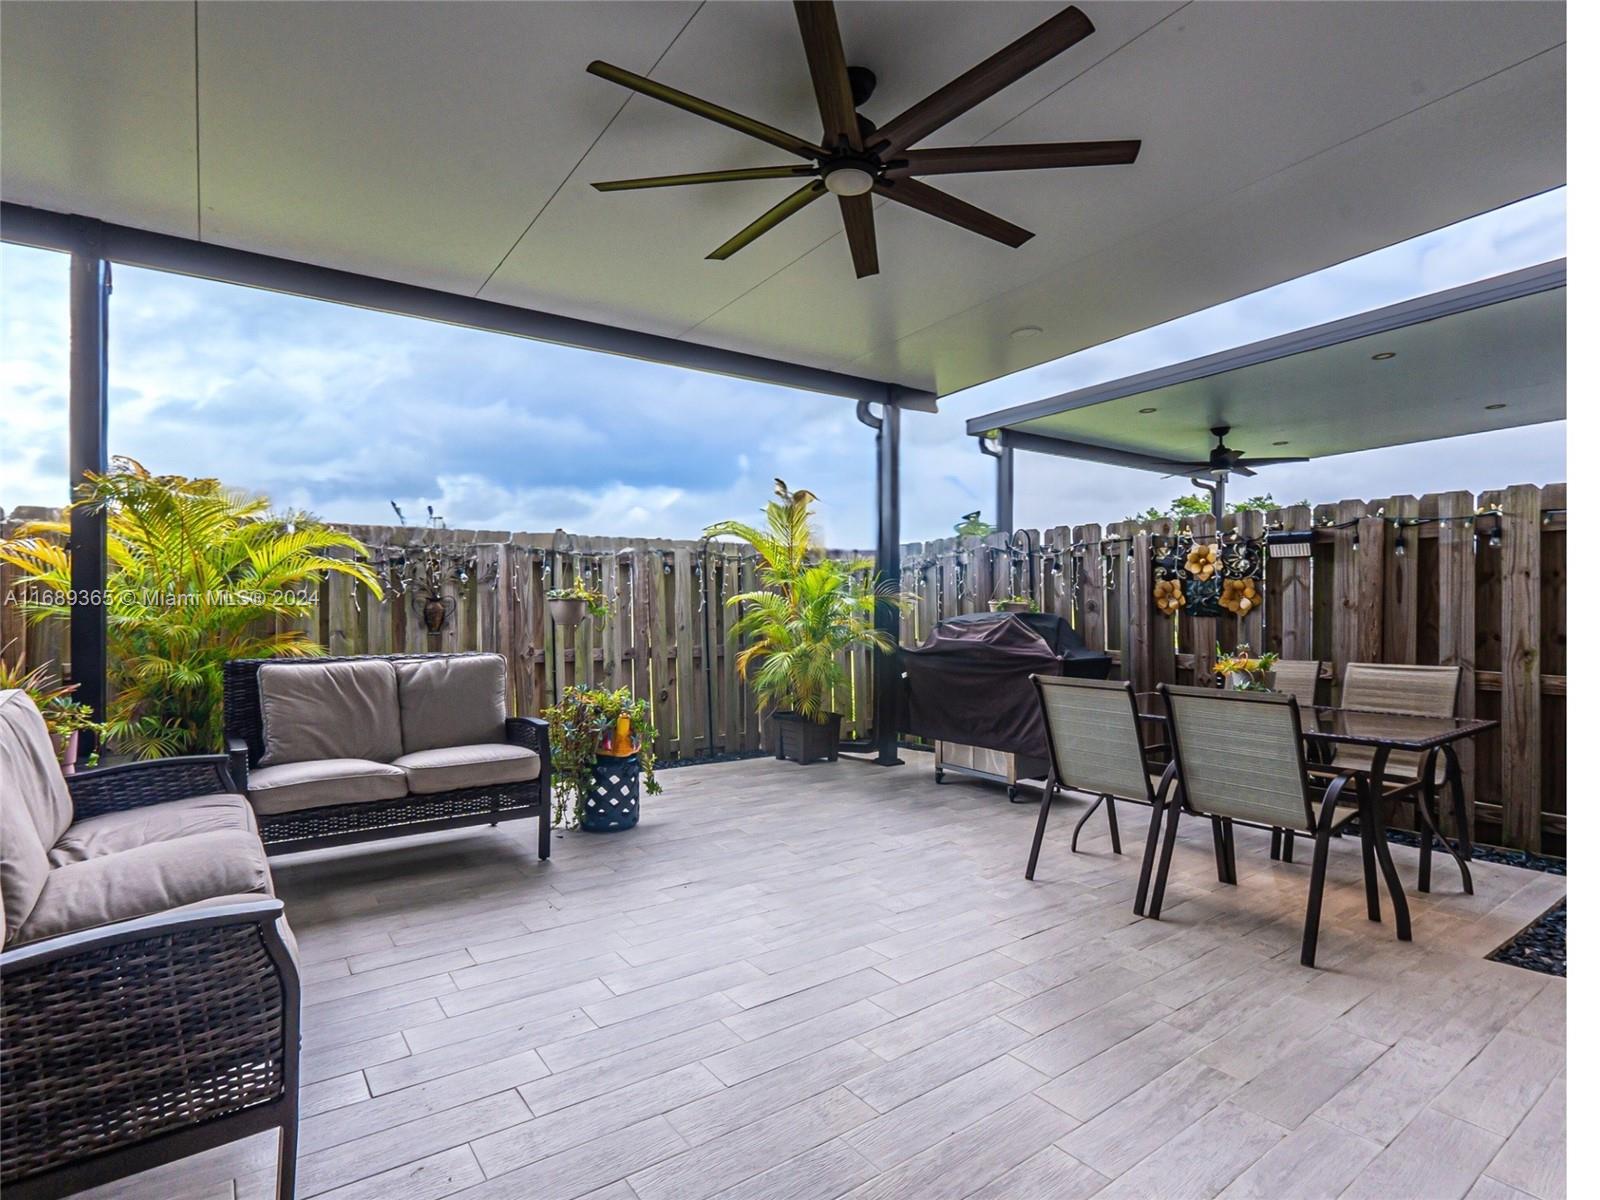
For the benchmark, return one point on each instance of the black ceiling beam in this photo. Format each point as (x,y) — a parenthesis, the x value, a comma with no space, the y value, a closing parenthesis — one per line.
(185,256)
(1015,440)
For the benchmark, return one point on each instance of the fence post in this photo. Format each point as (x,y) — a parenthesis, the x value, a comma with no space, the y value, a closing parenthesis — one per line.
(1521,790)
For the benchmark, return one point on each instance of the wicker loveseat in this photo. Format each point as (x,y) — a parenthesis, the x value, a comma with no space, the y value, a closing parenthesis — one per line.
(339,750)
(149,993)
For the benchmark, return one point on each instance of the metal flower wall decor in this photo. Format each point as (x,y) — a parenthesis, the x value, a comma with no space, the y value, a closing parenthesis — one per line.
(1208,576)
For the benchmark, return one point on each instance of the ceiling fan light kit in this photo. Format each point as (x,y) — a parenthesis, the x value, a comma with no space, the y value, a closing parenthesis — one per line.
(855,159)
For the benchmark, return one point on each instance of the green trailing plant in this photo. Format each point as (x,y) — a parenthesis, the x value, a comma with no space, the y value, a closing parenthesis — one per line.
(811,609)
(594,601)
(996,603)
(584,726)
(199,574)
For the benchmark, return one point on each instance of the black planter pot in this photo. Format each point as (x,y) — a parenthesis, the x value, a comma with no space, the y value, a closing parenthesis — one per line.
(612,802)
(803,741)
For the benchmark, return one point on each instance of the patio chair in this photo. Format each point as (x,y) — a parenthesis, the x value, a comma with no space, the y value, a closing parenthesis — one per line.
(149,983)
(1297,677)
(1240,758)
(1092,727)
(1418,691)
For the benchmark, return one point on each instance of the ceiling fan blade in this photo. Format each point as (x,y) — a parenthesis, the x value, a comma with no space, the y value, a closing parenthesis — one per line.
(734,176)
(779,212)
(946,207)
(1241,469)
(830,77)
(706,109)
(1067,28)
(1015,158)
(858,227)
(1271,462)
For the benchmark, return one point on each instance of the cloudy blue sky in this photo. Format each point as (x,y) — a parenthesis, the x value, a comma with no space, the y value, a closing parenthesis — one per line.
(340,411)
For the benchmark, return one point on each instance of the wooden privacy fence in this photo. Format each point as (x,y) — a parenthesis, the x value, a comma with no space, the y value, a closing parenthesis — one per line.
(667,600)
(1450,578)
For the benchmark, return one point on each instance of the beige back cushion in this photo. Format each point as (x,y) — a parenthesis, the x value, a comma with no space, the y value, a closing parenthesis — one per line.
(1095,737)
(35,809)
(452,700)
(1240,756)
(315,710)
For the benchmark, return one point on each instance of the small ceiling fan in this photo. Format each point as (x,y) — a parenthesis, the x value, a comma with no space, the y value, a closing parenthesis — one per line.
(1225,461)
(855,159)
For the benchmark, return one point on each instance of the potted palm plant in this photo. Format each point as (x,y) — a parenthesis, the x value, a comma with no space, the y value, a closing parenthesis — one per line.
(199,574)
(811,609)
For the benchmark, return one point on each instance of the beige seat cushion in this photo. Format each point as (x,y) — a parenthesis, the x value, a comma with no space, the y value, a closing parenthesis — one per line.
(453,767)
(35,809)
(114,832)
(314,710)
(451,700)
(291,787)
(148,879)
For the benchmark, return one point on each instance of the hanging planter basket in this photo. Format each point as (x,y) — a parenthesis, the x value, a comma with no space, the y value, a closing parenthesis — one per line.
(568,613)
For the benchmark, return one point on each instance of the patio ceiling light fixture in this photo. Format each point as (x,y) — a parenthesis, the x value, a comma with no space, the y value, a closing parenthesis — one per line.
(854,159)
(1383,356)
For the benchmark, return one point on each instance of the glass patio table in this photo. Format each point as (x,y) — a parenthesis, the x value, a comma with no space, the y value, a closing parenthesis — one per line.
(1327,727)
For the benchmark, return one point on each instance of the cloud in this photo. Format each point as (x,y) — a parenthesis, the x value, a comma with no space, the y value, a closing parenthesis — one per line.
(341,410)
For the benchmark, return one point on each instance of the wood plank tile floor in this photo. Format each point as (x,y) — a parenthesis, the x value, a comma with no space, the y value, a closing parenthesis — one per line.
(801,983)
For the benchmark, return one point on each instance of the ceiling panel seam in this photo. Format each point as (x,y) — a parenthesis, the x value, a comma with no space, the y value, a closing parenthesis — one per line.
(1214,202)
(832,237)
(667,49)
(199,232)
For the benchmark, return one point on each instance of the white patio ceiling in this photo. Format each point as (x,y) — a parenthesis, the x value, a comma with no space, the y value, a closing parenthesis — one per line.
(1486,356)
(451,145)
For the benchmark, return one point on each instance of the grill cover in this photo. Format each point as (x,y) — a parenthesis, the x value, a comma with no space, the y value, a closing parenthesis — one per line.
(968,683)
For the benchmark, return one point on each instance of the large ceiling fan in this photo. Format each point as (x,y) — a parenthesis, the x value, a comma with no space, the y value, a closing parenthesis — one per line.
(856,160)
(1224,461)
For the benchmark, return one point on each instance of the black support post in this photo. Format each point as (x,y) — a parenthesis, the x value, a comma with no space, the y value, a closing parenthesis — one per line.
(1005,490)
(86,452)
(886,695)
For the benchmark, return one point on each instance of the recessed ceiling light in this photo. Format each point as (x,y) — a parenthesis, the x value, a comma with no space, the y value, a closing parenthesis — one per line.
(1493,407)
(1147,410)
(1026,331)
(1383,356)
(1280,443)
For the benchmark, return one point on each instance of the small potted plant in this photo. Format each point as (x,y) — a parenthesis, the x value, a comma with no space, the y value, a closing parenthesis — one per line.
(64,717)
(1012,604)
(811,610)
(569,605)
(602,749)
(1243,671)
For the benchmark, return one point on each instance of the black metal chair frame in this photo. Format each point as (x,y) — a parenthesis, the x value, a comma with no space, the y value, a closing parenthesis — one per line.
(1154,796)
(1322,823)
(132,1045)
(343,824)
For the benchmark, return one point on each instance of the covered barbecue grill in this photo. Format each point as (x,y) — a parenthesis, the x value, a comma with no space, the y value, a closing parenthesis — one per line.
(967,685)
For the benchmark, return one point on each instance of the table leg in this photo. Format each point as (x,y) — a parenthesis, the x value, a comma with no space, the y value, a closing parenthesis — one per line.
(1462,850)
(1378,806)
(1427,827)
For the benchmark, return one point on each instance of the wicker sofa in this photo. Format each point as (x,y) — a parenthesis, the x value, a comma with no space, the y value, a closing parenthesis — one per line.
(149,992)
(338,750)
